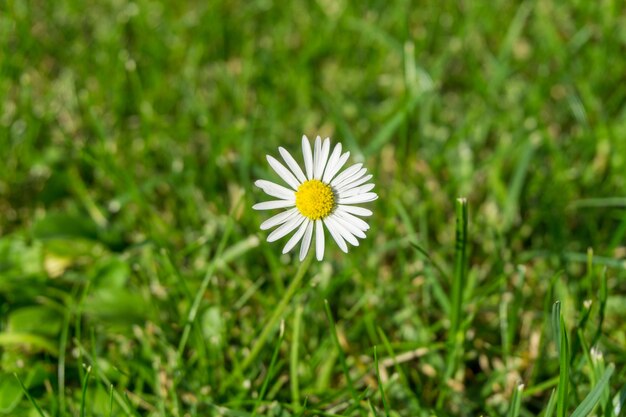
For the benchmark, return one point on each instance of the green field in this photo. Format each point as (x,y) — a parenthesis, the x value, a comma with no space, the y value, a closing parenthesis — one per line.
(134,277)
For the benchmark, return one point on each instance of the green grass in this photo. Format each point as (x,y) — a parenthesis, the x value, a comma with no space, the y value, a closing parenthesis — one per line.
(134,279)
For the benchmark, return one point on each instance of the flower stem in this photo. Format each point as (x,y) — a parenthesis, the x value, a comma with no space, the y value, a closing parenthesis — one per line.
(276,315)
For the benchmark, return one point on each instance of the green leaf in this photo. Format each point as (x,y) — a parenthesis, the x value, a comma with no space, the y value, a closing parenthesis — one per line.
(116,305)
(112,273)
(34,341)
(60,225)
(213,325)
(35,319)
(10,394)
(20,259)
(71,248)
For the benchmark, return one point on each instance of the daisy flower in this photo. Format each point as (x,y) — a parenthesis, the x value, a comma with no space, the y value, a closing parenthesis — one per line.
(316,199)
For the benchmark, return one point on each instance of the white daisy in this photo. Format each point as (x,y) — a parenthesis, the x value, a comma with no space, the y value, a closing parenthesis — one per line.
(319,198)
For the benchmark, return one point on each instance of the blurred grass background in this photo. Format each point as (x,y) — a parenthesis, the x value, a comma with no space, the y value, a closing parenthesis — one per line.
(131,134)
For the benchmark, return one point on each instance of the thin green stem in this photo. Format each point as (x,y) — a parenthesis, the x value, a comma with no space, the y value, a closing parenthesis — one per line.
(271,323)
(278,311)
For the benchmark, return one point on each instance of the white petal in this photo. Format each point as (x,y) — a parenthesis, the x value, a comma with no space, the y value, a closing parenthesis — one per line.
(283,172)
(336,235)
(308,157)
(346,174)
(357,199)
(353,184)
(319,240)
(356,191)
(317,152)
(296,237)
(355,221)
(306,241)
(331,171)
(343,231)
(274,204)
(276,190)
(286,228)
(292,164)
(350,227)
(279,219)
(352,178)
(322,160)
(332,161)
(359,211)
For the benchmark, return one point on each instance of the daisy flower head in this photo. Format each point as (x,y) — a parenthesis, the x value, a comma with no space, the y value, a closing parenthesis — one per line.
(319,197)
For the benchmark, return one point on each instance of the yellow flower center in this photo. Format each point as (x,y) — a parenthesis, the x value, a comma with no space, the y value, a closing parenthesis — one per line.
(315,200)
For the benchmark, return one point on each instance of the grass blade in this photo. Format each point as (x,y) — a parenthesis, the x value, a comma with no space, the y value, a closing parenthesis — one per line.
(386,132)
(590,401)
(396,365)
(613,202)
(61,361)
(193,311)
(459,276)
(123,402)
(516,402)
(455,335)
(84,396)
(556,325)
(110,400)
(619,400)
(380,384)
(31,399)
(602,295)
(563,349)
(551,405)
(511,205)
(372,409)
(270,369)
